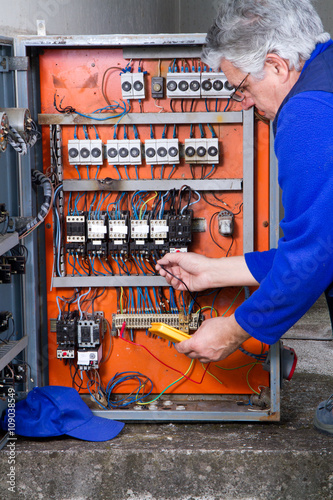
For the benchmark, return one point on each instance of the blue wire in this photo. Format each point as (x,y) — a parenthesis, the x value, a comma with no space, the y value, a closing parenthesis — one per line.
(76,168)
(225,109)
(85,130)
(116,169)
(108,271)
(72,266)
(126,173)
(97,136)
(193,202)
(215,297)
(201,131)
(69,201)
(83,269)
(138,264)
(210,172)
(174,132)
(172,171)
(212,130)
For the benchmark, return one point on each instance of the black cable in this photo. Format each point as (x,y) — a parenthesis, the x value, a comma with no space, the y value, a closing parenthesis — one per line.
(209,203)
(258,357)
(187,288)
(60,109)
(240,209)
(232,242)
(211,232)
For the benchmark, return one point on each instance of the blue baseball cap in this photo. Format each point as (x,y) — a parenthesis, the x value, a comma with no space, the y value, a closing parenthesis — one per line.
(54,411)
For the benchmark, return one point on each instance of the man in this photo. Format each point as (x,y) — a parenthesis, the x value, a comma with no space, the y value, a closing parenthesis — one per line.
(278,57)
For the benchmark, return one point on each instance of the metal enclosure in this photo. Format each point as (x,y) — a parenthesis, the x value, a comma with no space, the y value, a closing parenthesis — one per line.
(33,290)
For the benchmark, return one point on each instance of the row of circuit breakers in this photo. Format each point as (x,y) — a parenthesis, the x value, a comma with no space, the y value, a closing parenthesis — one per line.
(179,85)
(107,235)
(129,152)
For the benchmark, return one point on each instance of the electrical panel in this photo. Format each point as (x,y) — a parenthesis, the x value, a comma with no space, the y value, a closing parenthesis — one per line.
(153,158)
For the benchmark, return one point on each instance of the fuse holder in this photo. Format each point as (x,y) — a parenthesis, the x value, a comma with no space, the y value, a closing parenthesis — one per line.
(168,332)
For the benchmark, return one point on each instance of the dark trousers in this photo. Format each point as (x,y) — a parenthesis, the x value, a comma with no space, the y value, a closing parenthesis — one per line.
(329,299)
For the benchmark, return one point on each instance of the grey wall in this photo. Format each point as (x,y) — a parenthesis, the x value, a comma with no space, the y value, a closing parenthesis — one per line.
(90,17)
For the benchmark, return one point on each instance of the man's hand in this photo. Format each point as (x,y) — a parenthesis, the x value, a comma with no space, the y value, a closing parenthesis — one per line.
(193,269)
(200,273)
(214,340)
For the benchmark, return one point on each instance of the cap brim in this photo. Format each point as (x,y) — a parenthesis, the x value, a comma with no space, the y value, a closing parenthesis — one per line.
(97,429)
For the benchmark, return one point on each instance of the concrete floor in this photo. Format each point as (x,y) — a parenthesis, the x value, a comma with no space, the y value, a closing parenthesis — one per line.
(285,460)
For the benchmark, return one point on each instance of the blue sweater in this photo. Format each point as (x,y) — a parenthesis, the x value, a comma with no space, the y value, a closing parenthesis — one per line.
(293,276)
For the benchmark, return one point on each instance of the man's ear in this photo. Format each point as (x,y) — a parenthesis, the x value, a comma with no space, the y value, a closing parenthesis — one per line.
(277,66)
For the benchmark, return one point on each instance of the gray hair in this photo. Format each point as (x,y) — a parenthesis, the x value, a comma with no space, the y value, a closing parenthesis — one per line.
(245,31)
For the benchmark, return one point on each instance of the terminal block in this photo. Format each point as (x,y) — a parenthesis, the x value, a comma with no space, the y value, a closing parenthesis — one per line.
(215,85)
(85,152)
(183,85)
(202,151)
(151,151)
(144,321)
(132,85)
(162,151)
(124,152)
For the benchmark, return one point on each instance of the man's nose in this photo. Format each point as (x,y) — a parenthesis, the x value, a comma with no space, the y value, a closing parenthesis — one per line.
(247,103)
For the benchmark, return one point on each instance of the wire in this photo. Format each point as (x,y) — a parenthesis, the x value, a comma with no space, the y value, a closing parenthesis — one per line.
(177,278)
(170,385)
(159,360)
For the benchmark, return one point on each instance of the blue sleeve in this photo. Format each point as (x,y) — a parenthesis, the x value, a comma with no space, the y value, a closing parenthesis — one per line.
(260,263)
(302,266)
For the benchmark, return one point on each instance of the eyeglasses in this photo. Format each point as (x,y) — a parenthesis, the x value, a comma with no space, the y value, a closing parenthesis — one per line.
(237,94)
